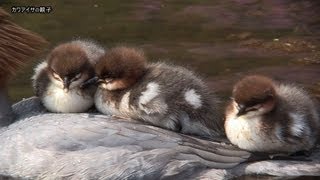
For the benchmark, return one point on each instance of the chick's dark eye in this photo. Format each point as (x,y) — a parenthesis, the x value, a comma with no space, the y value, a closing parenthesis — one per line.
(255,101)
(251,103)
(108,75)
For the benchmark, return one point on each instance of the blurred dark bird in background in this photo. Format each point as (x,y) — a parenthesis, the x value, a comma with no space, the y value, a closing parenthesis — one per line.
(17,47)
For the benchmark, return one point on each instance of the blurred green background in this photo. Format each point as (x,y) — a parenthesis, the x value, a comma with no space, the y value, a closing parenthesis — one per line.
(221,40)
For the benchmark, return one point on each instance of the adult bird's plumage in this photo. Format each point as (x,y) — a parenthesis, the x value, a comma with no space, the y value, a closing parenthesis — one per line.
(95,146)
(91,146)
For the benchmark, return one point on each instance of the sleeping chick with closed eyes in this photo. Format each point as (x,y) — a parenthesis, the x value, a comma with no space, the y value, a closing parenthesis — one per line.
(271,117)
(58,80)
(163,95)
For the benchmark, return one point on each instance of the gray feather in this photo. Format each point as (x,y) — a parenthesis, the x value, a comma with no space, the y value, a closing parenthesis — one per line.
(92,146)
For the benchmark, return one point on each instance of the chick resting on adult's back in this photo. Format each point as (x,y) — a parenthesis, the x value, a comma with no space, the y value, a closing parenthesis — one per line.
(267,116)
(58,80)
(164,95)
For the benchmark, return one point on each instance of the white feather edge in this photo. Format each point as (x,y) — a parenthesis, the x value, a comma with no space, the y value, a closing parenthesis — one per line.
(37,71)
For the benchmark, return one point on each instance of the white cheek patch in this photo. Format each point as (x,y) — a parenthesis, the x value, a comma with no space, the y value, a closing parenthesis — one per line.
(233,112)
(111,86)
(151,92)
(56,82)
(56,76)
(103,86)
(193,98)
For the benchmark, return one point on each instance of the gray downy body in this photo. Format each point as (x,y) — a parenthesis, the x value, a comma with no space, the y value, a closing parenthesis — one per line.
(297,117)
(160,98)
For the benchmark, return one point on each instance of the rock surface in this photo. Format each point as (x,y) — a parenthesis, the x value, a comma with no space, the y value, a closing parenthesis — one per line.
(94,146)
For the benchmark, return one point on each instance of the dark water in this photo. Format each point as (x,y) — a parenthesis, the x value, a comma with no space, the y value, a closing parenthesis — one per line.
(221,40)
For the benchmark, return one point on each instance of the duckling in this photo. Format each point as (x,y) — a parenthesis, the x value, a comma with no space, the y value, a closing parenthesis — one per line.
(17,47)
(267,116)
(163,95)
(58,80)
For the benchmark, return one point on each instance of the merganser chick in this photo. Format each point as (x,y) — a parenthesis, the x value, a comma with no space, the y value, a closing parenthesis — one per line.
(272,117)
(167,96)
(58,80)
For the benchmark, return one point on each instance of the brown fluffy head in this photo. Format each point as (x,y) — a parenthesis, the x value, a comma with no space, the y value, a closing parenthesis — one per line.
(17,45)
(68,58)
(68,63)
(121,67)
(253,91)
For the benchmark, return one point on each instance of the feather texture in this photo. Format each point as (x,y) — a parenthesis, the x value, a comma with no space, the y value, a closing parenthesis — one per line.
(93,146)
(17,46)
